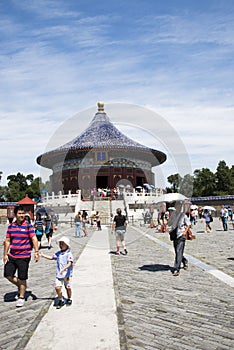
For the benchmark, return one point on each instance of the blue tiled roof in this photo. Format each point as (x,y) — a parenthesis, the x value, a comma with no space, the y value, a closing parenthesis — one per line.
(100,134)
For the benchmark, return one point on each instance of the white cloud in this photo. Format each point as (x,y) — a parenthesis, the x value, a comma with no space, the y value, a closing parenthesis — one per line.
(179,64)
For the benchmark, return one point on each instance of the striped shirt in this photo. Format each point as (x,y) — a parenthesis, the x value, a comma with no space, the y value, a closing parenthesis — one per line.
(39,225)
(20,239)
(48,225)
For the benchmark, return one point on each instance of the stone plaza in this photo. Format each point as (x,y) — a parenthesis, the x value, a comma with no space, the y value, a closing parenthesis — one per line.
(152,309)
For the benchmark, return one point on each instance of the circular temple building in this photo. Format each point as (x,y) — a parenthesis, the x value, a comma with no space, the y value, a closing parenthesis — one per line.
(101,157)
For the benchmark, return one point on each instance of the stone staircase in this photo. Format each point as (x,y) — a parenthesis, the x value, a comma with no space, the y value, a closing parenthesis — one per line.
(102,206)
(118,204)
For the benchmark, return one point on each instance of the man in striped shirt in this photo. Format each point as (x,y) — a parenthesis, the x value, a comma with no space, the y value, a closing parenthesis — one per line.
(20,238)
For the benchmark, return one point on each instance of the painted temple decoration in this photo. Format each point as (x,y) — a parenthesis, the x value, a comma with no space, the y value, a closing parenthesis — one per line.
(100,157)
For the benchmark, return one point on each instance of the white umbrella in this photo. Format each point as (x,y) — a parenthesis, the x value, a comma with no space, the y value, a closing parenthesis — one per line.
(208,207)
(193,206)
(170,197)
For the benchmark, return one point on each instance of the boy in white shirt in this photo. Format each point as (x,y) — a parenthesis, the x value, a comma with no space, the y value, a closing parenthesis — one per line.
(64,270)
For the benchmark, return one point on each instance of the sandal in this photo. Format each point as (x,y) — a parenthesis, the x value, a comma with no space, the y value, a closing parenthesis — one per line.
(176,273)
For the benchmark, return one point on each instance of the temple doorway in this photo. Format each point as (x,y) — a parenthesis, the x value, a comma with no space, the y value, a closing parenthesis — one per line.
(101,181)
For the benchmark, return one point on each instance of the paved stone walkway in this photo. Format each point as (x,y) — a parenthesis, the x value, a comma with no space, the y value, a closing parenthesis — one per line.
(18,324)
(155,310)
(192,311)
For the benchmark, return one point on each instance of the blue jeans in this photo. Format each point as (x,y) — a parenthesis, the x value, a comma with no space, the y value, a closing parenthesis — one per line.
(224,221)
(78,227)
(179,245)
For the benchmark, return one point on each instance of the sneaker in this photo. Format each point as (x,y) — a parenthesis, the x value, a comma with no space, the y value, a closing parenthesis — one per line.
(60,304)
(19,302)
(125,250)
(68,302)
(186,266)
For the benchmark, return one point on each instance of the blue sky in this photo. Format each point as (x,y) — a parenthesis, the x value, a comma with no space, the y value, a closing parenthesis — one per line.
(174,57)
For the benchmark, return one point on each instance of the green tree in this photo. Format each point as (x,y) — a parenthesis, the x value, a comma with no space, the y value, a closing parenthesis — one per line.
(175,180)
(20,185)
(232,180)
(204,183)
(223,179)
(33,190)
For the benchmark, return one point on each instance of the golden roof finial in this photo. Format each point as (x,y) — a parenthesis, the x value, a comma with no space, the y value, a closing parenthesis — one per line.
(100,106)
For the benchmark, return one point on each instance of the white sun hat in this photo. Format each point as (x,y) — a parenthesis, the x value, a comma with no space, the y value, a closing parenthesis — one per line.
(65,240)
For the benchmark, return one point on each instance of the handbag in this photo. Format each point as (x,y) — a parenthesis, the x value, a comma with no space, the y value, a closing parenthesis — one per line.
(211,219)
(173,234)
(189,235)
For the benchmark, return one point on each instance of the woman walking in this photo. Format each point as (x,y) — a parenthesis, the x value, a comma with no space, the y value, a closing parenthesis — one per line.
(119,225)
(78,220)
(39,229)
(206,215)
(98,221)
(85,222)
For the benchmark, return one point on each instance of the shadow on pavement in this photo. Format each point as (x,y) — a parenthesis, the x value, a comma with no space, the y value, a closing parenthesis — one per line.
(45,247)
(11,296)
(155,267)
(114,253)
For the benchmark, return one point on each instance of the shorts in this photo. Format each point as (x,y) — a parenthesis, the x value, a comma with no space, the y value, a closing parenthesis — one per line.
(120,233)
(66,281)
(39,237)
(20,264)
(49,234)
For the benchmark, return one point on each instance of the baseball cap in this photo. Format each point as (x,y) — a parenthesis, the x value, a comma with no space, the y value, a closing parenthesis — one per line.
(65,240)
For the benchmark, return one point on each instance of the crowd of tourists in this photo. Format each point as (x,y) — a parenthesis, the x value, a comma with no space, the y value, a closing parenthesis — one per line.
(205,214)
(83,221)
(23,236)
